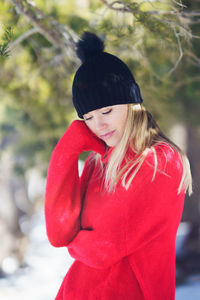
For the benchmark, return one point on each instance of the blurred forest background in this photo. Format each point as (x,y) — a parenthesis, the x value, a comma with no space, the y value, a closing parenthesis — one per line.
(160,42)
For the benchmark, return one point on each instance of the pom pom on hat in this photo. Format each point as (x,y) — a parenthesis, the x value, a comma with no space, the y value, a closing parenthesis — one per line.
(88,46)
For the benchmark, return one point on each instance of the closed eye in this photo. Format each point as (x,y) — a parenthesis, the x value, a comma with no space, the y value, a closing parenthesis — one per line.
(107,112)
(89,118)
(103,113)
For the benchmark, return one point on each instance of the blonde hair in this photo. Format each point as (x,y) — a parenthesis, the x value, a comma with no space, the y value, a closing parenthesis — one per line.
(141,133)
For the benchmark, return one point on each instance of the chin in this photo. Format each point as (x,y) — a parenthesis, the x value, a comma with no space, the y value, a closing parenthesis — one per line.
(111,144)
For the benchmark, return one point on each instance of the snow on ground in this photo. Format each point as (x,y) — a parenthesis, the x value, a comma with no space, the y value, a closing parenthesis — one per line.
(191,290)
(46,267)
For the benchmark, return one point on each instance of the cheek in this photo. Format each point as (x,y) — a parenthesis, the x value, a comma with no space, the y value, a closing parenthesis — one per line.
(123,119)
(90,126)
(124,122)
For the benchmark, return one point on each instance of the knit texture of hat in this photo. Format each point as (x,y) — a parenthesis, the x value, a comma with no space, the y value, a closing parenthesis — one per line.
(102,79)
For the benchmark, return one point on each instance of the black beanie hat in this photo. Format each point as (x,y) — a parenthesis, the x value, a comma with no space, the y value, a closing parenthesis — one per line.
(102,79)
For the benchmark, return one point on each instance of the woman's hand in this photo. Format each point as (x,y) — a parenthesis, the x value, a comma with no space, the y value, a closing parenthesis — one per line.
(80,138)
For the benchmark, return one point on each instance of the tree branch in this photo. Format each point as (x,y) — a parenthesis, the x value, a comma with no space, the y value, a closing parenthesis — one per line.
(22,37)
(180,52)
(125,7)
(176,19)
(179,3)
(135,8)
(58,35)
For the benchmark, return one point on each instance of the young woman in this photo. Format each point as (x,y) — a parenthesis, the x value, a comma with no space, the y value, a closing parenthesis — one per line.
(119,219)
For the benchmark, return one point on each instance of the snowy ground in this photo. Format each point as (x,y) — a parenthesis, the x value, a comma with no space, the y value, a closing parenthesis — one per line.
(191,290)
(46,266)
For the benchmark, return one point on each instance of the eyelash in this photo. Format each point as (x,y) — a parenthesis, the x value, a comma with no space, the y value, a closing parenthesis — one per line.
(105,113)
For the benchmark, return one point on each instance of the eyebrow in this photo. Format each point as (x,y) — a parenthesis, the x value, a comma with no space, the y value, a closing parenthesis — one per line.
(107,107)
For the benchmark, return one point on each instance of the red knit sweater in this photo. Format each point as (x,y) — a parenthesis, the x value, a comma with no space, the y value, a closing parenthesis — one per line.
(123,243)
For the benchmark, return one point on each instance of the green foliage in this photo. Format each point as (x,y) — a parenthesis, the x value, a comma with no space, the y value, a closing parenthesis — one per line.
(77,23)
(5,40)
(36,79)
(4,52)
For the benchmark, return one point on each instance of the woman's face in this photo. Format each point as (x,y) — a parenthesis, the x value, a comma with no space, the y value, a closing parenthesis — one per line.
(108,123)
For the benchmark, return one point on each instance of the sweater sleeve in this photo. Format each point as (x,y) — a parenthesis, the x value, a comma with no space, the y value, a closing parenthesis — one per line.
(64,188)
(147,209)
(64,191)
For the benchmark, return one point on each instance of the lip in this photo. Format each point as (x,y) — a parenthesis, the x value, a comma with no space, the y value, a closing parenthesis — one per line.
(107,135)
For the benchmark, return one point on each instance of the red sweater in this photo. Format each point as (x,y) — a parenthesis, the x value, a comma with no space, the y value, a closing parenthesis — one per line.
(123,243)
